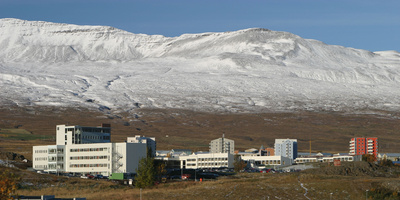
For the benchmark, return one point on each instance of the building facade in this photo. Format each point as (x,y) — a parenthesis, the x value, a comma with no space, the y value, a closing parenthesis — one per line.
(361,146)
(98,158)
(149,141)
(87,155)
(278,161)
(286,148)
(222,145)
(67,135)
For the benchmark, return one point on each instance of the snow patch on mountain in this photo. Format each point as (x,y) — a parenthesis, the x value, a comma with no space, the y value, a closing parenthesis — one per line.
(251,70)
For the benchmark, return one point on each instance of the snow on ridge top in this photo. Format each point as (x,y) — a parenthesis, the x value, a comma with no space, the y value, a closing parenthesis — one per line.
(25,23)
(247,70)
(41,41)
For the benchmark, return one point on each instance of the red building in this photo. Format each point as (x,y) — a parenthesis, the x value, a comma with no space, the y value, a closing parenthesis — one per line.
(361,146)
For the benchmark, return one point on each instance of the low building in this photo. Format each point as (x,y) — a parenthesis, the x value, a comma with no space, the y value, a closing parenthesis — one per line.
(199,160)
(278,161)
(323,157)
(389,156)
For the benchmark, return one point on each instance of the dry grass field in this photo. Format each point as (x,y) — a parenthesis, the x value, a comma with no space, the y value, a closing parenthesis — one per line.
(303,185)
(21,128)
(328,132)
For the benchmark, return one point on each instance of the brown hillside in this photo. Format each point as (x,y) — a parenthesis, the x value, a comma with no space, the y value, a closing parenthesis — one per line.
(328,132)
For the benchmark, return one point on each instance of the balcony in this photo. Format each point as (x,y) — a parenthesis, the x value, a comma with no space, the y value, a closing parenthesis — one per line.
(352,148)
(352,144)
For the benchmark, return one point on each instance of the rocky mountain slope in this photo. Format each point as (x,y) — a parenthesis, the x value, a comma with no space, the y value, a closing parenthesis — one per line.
(252,70)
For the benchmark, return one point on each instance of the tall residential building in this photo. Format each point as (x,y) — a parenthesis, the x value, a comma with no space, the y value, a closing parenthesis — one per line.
(67,135)
(222,145)
(149,141)
(361,146)
(286,148)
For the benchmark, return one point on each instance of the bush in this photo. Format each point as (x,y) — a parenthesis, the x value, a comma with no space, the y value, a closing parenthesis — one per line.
(8,185)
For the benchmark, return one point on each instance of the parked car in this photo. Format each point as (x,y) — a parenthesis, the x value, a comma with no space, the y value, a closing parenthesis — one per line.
(99,176)
(90,176)
(265,170)
(185,176)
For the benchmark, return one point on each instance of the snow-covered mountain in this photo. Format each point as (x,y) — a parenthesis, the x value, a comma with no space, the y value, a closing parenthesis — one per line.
(252,70)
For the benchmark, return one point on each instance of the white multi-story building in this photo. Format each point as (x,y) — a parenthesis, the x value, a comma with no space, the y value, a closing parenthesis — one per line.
(207,160)
(323,159)
(222,145)
(286,148)
(97,158)
(267,160)
(200,160)
(90,158)
(149,141)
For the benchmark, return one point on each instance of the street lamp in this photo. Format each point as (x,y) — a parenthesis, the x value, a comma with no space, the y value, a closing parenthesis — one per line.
(331,196)
(366,194)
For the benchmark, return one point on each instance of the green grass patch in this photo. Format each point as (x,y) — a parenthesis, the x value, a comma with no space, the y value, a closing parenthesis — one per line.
(20,134)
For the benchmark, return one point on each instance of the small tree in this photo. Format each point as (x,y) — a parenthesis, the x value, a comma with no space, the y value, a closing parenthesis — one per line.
(8,185)
(386,162)
(145,174)
(238,163)
(368,158)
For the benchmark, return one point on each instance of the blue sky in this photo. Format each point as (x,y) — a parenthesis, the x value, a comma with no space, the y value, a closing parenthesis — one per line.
(363,24)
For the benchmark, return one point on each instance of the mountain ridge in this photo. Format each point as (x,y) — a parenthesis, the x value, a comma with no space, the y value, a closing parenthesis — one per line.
(250,70)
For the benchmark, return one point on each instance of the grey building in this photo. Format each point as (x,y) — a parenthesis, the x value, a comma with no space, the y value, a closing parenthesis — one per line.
(222,145)
(286,148)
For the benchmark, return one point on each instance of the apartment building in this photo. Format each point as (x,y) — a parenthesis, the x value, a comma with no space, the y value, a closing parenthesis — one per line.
(286,148)
(362,145)
(222,145)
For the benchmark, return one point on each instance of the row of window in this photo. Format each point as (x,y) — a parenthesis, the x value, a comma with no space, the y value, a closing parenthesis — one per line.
(40,158)
(53,151)
(40,151)
(56,166)
(88,149)
(40,166)
(211,159)
(87,165)
(55,158)
(208,164)
(88,157)
(96,137)
(96,130)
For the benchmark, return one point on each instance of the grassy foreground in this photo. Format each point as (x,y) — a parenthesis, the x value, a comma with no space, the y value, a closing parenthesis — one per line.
(313,184)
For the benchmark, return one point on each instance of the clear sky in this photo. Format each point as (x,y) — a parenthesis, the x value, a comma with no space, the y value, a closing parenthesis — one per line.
(364,24)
